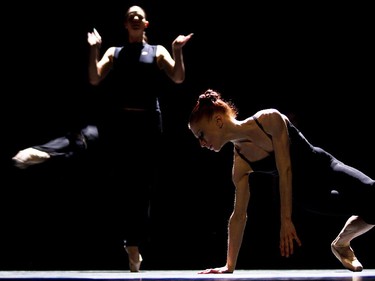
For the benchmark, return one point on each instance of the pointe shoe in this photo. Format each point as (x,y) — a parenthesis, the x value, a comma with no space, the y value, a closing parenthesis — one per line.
(29,156)
(345,255)
(135,258)
(134,266)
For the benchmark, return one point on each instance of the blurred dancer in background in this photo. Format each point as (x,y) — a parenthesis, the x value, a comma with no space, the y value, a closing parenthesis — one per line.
(132,126)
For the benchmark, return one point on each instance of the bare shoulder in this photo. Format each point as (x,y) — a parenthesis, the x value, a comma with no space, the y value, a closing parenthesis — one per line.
(271,118)
(164,58)
(110,51)
(161,51)
(269,113)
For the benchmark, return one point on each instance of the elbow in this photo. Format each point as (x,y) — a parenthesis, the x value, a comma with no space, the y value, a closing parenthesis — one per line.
(178,76)
(239,217)
(179,80)
(94,81)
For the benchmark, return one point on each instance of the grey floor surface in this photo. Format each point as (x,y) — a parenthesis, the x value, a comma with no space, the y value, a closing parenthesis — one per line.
(179,275)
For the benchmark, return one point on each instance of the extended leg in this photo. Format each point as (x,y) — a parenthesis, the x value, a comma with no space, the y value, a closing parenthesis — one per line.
(62,147)
(354,227)
(29,156)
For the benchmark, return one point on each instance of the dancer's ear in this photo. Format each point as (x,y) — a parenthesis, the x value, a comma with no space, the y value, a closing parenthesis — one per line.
(219,121)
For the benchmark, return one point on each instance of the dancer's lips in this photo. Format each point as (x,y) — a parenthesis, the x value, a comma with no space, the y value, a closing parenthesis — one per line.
(135,26)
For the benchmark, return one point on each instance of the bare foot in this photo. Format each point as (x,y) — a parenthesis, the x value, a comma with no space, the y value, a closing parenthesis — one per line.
(29,156)
(345,255)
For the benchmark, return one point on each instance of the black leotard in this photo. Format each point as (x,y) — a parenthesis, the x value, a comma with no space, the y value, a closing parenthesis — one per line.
(130,130)
(265,165)
(132,135)
(321,182)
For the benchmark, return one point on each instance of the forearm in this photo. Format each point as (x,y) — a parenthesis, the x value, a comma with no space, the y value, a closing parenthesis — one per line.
(236,228)
(179,66)
(285,198)
(94,77)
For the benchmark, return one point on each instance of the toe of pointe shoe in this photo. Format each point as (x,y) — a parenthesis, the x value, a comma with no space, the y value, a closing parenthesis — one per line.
(135,266)
(28,157)
(346,256)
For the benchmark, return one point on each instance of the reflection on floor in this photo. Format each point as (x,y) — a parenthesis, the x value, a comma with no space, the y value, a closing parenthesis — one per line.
(155,275)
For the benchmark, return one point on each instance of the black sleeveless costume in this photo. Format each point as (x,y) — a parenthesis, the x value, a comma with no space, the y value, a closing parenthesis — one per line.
(131,135)
(128,134)
(322,183)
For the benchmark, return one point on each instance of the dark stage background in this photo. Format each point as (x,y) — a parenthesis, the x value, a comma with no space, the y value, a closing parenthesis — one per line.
(313,62)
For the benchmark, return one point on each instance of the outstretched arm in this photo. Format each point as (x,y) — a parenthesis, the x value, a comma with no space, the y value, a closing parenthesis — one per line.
(238,218)
(275,124)
(98,68)
(174,67)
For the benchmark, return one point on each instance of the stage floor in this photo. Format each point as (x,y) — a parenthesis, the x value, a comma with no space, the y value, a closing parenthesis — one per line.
(175,275)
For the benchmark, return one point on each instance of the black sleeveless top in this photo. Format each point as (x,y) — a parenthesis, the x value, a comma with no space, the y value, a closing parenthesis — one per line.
(265,165)
(137,81)
(316,174)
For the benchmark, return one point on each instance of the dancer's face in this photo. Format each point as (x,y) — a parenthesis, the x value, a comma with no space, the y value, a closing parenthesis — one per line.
(208,132)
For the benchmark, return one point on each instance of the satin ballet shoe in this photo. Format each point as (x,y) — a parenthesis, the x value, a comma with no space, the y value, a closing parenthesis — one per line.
(345,255)
(29,156)
(135,265)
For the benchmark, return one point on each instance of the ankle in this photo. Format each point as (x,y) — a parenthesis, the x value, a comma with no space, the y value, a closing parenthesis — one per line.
(134,257)
(340,243)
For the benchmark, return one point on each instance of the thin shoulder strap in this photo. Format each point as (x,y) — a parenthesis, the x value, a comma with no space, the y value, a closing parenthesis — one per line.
(261,127)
